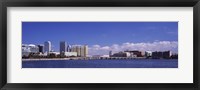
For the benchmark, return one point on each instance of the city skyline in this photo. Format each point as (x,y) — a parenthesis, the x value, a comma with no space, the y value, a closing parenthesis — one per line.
(102,37)
(114,48)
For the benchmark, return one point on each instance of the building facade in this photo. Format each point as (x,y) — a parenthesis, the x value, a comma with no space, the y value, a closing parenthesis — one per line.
(71,54)
(85,50)
(148,54)
(82,51)
(47,46)
(159,55)
(121,54)
(135,53)
(69,48)
(62,48)
(41,48)
(167,54)
(110,54)
(27,49)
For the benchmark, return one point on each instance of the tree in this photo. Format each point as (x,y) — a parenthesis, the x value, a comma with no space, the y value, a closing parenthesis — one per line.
(52,55)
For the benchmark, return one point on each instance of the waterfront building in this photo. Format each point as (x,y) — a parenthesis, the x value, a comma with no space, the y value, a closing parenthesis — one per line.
(73,49)
(105,56)
(71,54)
(85,51)
(69,48)
(47,46)
(41,48)
(62,48)
(82,51)
(142,53)
(33,48)
(121,54)
(148,54)
(110,54)
(76,48)
(135,53)
(96,56)
(167,54)
(159,55)
(174,56)
(27,49)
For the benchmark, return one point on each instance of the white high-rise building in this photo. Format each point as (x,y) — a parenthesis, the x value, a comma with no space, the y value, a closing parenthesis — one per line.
(47,46)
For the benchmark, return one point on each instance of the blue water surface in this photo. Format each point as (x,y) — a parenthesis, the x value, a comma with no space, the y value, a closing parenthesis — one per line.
(146,63)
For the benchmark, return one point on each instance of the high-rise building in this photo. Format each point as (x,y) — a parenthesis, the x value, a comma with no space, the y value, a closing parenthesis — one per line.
(41,48)
(62,47)
(75,48)
(69,48)
(82,51)
(85,50)
(78,50)
(47,46)
(110,54)
(167,54)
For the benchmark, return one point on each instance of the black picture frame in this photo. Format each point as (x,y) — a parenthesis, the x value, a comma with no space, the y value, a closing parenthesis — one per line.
(98,3)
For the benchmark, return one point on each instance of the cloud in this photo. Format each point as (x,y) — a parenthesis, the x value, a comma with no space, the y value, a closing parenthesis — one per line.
(154,46)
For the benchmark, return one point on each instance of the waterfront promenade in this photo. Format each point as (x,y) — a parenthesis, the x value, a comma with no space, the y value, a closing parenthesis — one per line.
(84,58)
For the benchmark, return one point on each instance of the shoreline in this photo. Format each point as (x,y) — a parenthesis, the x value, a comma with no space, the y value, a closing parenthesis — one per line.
(44,59)
(54,59)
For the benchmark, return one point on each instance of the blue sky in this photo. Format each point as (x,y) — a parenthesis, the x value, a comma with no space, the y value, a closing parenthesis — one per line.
(98,33)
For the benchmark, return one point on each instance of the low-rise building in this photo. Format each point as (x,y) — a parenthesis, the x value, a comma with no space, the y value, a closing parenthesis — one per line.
(148,54)
(161,54)
(167,54)
(71,54)
(135,53)
(121,54)
(27,49)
